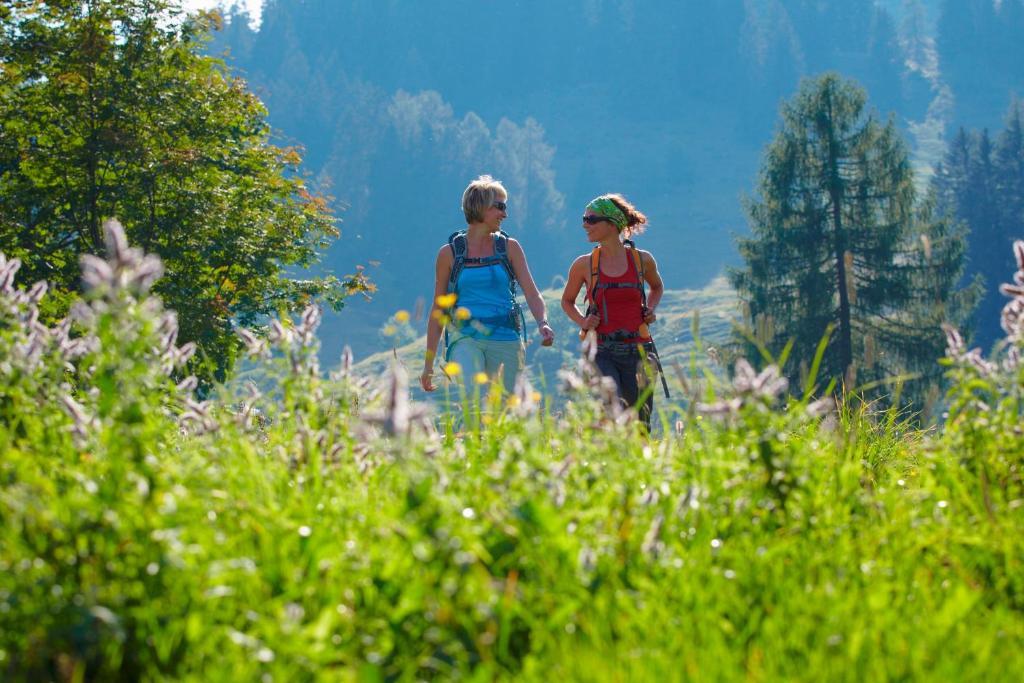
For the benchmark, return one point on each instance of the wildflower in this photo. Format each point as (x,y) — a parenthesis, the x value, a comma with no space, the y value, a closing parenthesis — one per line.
(563,467)
(1012,318)
(652,544)
(182,354)
(82,422)
(719,409)
(452,369)
(36,294)
(7,271)
(1012,360)
(125,268)
(188,385)
(254,346)
(823,406)
(310,321)
(446,300)
(399,413)
(526,400)
(956,350)
(587,560)
(96,272)
(402,317)
(955,346)
(463,313)
(480,378)
(168,330)
(279,334)
(198,414)
(769,384)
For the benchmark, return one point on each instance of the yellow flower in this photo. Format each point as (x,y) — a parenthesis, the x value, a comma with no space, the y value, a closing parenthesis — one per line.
(462,313)
(452,368)
(480,378)
(535,396)
(390,330)
(446,300)
(402,316)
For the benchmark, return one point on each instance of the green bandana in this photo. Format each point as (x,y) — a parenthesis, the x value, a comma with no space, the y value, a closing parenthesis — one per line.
(603,206)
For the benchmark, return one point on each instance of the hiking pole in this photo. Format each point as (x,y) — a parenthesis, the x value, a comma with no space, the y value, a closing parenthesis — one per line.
(661,370)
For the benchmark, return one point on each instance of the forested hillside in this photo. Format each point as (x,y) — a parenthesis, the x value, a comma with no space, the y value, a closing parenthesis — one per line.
(399,104)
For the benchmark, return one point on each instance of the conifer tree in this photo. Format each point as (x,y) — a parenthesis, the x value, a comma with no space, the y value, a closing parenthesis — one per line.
(838,243)
(982,184)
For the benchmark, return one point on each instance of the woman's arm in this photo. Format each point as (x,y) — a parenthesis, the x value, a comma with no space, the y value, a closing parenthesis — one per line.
(573,284)
(655,286)
(533,298)
(442,269)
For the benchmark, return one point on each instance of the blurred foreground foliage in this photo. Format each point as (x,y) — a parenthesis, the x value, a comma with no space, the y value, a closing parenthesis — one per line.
(328,529)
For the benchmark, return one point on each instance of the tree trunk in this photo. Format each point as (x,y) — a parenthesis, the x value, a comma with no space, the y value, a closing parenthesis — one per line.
(836,196)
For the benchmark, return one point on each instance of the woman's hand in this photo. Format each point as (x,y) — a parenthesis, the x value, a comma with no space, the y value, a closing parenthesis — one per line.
(547,334)
(649,316)
(591,322)
(426,379)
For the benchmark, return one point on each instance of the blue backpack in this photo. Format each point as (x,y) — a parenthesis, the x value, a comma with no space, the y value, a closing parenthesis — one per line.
(459,246)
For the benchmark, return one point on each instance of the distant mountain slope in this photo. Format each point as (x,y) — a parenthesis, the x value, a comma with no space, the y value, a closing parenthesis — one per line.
(714,306)
(399,104)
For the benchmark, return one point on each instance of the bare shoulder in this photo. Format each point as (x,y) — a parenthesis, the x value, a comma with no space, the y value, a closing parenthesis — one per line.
(444,255)
(648,259)
(514,247)
(580,266)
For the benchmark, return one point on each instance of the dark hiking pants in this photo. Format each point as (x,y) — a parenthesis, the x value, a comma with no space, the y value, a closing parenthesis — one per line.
(621,362)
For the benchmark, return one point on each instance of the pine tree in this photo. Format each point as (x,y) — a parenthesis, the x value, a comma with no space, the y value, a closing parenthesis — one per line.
(839,244)
(982,184)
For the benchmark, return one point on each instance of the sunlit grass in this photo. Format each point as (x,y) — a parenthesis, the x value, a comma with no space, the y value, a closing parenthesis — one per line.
(329,528)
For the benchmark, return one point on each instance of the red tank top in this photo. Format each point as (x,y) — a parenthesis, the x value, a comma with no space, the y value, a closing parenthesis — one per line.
(620,307)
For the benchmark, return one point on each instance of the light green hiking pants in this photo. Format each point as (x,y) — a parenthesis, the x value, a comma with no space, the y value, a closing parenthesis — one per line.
(484,355)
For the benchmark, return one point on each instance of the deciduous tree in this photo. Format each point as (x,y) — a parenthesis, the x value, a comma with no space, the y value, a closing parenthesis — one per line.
(110,108)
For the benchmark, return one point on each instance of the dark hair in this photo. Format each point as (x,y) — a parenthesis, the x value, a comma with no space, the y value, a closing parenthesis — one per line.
(635,221)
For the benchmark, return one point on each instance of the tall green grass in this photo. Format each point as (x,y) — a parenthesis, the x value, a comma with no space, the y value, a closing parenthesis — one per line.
(325,528)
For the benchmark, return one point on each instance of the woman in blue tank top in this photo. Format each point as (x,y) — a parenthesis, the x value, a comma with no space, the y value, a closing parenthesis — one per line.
(479,268)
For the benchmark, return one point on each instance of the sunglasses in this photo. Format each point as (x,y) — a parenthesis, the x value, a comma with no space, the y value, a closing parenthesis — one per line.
(594,220)
(500,206)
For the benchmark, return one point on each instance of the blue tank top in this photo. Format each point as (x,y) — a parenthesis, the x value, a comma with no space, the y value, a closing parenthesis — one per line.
(484,290)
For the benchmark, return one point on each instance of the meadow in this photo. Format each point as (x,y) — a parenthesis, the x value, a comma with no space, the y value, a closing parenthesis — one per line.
(323,526)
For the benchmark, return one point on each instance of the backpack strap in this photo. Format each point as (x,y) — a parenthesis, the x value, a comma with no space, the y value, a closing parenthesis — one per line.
(459,245)
(501,251)
(638,261)
(592,280)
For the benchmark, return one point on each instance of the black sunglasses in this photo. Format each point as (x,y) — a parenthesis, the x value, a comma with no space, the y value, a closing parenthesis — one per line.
(594,220)
(500,206)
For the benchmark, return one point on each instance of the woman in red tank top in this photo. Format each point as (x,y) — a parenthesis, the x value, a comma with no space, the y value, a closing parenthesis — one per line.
(619,308)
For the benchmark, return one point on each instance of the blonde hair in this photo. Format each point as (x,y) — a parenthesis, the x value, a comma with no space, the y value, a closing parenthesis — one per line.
(479,196)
